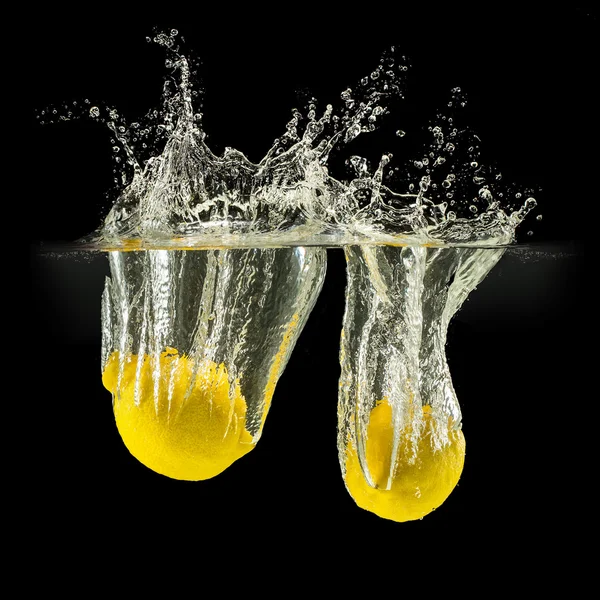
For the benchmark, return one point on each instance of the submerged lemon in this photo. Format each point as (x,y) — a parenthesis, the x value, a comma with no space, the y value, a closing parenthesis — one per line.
(177,416)
(420,483)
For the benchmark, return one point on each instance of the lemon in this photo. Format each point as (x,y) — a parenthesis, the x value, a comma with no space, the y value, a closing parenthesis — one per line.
(177,416)
(420,483)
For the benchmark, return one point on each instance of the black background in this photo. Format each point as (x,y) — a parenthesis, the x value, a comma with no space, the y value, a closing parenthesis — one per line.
(515,349)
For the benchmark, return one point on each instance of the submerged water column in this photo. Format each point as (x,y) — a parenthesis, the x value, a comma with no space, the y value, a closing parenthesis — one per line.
(400,443)
(193,345)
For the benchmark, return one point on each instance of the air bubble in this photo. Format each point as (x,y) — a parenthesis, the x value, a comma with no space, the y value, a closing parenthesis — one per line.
(400,133)
(539,218)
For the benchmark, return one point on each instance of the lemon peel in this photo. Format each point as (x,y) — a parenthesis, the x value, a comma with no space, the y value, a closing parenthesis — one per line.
(178,417)
(420,483)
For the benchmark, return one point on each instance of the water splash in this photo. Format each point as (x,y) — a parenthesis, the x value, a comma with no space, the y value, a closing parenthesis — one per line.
(210,332)
(176,193)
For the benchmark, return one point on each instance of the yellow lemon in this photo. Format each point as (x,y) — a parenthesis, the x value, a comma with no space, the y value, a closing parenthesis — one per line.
(177,416)
(420,483)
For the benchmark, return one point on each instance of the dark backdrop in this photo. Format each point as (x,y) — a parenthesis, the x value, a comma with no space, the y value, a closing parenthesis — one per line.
(515,349)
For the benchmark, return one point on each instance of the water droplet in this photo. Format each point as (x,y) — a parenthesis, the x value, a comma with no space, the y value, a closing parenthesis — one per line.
(115,148)
(174,32)
(446,183)
(94,112)
(539,218)
(498,176)
(352,132)
(375,75)
(530,233)
(418,164)
(400,133)
(485,194)
(450,147)
(517,195)
(473,208)
(451,216)
(474,164)
(531,203)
